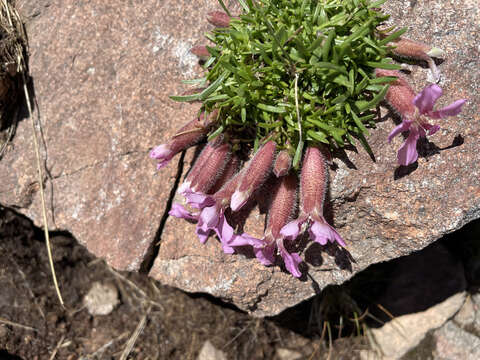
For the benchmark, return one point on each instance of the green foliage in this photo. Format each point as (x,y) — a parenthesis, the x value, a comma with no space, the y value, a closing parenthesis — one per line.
(331,46)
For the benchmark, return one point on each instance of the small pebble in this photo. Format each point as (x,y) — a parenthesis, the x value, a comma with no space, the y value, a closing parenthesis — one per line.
(101,298)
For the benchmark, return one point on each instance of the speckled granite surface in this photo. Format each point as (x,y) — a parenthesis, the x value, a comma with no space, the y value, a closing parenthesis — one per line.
(102,73)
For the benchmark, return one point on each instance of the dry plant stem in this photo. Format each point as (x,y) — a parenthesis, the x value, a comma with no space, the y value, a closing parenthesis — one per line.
(102,348)
(131,342)
(22,68)
(42,195)
(146,298)
(54,353)
(11,323)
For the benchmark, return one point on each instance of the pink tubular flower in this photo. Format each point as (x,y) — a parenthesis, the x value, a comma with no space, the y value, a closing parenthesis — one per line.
(255,174)
(410,49)
(313,187)
(196,169)
(212,169)
(414,111)
(212,216)
(179,211)
(281,209)
(209,169)
(188,135)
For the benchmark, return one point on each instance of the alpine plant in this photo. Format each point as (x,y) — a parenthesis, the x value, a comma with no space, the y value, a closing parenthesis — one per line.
(288,82)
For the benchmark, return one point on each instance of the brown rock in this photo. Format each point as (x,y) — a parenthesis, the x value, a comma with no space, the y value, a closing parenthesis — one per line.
(102,73)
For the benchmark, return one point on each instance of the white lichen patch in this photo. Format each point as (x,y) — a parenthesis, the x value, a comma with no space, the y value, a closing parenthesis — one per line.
(176,48)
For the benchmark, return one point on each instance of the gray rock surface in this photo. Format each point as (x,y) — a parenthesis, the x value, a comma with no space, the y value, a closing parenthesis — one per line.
(452,342)
(102,73)
(397,337)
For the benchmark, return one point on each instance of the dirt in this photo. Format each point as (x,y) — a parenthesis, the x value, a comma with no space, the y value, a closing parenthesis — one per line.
(33,325)
(174,325)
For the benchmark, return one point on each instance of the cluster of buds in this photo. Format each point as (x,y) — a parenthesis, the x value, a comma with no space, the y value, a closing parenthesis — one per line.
(219,185)
(216,187)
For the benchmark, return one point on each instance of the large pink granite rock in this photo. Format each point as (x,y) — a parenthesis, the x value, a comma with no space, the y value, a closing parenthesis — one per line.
(103,72)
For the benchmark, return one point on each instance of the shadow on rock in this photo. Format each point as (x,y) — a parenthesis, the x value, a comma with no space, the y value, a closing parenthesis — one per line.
(406,285)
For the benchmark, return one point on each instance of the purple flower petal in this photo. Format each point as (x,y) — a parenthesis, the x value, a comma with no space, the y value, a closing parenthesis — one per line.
(291,230)
(425,100)
(240,240)
(179,211)
(318,233)
(404,126)
(161,152)
(291,260)
(224,230)
(198,200)
(265,254)
(246,239)
(431,129)
(322,232)
(407,154)
(209,217)
(202,234)
(227,249)
(450,110)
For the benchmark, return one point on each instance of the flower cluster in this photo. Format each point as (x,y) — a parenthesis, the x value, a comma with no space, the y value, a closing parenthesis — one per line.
(287,87)
(414,110)
(215,188)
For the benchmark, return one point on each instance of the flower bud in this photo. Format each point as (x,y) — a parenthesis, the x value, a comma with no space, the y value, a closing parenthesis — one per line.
(212,168)
(186,136)
(313,182)
(201,52)
(225,193)
(282,206)
(283,163)
(218,19)
(230,170)
(414,50)
(196,169)
(257,171)
(410,49)
(399,95)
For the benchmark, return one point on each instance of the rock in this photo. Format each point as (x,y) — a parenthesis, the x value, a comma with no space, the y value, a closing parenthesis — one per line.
(102,73)
(101,299)
(209,352)
(287,354)
(382,211)
(454,343)
(403,333)
(467,314)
